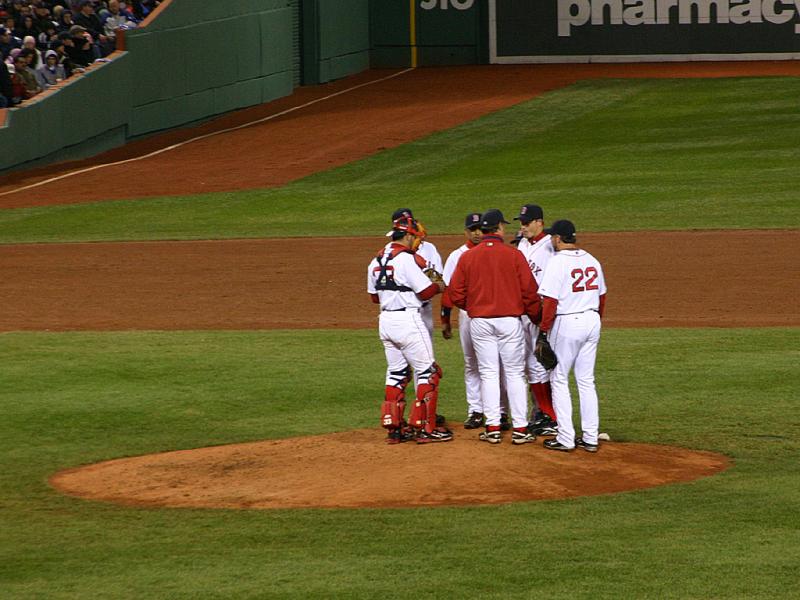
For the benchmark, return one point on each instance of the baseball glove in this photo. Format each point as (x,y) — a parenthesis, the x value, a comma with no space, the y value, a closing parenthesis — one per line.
(434,275)
(544,352)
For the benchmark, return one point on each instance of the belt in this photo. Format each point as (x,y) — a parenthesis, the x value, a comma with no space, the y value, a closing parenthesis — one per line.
(399,309)
(580,312)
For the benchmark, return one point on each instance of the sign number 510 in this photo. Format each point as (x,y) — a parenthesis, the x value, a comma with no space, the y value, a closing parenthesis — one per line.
(445,4)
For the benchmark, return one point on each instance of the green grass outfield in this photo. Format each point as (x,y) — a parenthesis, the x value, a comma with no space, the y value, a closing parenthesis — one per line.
(611,155)
(75,398)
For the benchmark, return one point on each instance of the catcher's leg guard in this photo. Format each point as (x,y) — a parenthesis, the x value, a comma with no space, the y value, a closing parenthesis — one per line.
(544,398)
(391,411)
(427,398)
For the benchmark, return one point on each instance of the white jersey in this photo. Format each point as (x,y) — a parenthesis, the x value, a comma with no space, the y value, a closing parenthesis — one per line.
(452,262)
(538,254)
(574,278)
(431,255)
(396,279)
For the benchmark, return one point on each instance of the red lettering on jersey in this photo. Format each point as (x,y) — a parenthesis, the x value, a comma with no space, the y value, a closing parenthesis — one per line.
(578,275)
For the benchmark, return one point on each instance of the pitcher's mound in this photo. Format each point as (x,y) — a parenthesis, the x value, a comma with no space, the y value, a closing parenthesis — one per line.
(357,469)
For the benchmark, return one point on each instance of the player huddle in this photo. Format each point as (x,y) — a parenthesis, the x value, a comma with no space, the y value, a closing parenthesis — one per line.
(514,304)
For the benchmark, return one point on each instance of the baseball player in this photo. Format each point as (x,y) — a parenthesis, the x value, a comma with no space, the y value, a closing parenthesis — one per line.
(433,261)
(573,290)
(396,281)
(494,284)
(535,245)
(472,380)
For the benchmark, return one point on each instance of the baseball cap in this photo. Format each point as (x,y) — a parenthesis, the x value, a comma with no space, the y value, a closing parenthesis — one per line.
(563,228)
(492,218)
(402,212)
(530,212)
(77,29)
(472,221)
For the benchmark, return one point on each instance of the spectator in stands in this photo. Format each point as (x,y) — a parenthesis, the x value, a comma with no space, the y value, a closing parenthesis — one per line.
(41,16)
(26,28)
(47,36)
(89,21)
(29,45)
(66,21)
(25,76)
(51,72)
(63,60)
(6,92)
(80,48)
(116,20)
(7,42)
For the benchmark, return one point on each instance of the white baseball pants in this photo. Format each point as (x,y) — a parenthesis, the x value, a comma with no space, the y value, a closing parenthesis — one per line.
(472,378)
(536,372)
(501,341)
(405,341)
(574,339)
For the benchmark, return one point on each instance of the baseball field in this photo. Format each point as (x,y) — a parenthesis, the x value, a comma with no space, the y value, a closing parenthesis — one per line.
(204,311)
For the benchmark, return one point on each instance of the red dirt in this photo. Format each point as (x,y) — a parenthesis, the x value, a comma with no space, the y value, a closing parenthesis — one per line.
(331,133)
(657,279)
(348,470)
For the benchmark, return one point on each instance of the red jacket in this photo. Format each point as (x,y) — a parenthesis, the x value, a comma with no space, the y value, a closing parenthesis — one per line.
(494,280)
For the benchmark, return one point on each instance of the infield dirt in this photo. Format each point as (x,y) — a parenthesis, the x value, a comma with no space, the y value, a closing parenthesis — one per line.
(675,279)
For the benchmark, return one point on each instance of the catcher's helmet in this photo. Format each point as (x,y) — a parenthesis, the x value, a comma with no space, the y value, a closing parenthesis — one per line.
(408,225)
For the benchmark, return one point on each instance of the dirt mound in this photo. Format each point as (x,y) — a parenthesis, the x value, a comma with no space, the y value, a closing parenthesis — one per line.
(356,469)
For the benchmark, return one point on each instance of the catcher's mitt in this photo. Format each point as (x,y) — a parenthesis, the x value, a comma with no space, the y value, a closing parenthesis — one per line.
(434,275)
(544,352)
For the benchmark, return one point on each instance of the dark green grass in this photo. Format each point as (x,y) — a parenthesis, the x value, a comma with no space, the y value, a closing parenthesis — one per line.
(610,155)
(75,398)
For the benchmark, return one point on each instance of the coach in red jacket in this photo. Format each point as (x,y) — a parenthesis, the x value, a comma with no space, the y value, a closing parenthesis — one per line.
(494,284)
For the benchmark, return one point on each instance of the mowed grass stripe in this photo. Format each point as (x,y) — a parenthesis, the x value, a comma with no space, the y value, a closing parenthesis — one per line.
(611,155)
(75,398)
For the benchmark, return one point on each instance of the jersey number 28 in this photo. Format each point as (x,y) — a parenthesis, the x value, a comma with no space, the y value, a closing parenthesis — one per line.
(578,275)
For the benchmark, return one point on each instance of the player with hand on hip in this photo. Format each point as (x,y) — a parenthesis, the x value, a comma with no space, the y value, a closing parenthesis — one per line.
(493,283)
(537,249)
(573,292)
(472,379)
(396,281)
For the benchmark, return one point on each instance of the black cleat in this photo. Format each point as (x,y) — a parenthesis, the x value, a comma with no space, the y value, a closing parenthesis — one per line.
(440,420)
(474,421)
(556,445)
(544,426)
(504,423)
(440,434)
(579,443)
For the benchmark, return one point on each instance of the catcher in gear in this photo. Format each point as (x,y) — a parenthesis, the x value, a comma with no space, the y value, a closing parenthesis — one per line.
(395,281)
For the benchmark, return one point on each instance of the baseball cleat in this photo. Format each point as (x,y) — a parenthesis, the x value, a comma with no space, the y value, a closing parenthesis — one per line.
(398,436)
(522,437)
(504,424)
(440,420)
(543,426)
(579,443)
(440,434)
(556,445)
(474,421)
(493,437)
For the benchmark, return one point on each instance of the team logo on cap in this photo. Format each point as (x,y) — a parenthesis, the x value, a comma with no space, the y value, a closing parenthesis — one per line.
(476,218)
(524,210)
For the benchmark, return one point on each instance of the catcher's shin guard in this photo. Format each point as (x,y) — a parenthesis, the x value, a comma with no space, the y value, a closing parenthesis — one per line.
(544,398)
(427,398)
(392,409)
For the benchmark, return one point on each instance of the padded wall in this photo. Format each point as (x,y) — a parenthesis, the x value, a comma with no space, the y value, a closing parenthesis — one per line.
(336,39)
(195,60)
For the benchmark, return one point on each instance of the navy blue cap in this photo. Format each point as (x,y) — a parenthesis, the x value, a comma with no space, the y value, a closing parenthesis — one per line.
(563,228)
(492,218)
(472,221)
(530,212)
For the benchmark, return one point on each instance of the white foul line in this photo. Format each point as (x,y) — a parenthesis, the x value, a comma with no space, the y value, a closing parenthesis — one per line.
(202,137)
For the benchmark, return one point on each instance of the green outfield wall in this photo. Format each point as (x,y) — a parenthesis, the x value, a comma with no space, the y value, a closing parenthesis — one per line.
(336,39)
(428,32)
